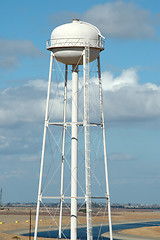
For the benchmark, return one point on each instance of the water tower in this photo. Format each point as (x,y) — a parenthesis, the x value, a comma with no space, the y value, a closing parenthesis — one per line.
(77,43)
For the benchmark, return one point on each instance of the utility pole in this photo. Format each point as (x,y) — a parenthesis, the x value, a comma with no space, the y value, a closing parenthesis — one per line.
(30,225)
(0,197)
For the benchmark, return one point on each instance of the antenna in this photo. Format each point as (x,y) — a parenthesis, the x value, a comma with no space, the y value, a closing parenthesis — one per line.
(1,197)
(76,44)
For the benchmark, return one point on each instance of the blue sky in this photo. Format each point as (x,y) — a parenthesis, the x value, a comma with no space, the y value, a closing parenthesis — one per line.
(131,84)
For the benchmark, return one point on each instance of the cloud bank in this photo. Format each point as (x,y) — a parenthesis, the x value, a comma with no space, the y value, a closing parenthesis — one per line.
(125,99)
(12,50)
(120,19)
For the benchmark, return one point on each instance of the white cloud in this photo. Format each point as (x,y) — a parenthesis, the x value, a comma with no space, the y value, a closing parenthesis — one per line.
(121,19)
(128,78)
(18,47)
(18,173)
(120,157)
(20,105)
(29,158)
(21,110)
(3,142)
(38,84)
(26,104)
(125,99)
(7,61)
(12,50)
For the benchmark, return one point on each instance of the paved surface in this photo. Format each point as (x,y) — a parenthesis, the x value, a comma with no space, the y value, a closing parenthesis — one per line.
(118,234)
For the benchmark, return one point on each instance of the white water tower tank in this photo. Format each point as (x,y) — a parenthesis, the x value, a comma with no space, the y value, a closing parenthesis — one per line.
(68,41)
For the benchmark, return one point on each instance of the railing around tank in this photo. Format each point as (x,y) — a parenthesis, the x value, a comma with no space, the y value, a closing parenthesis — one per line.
(75,42)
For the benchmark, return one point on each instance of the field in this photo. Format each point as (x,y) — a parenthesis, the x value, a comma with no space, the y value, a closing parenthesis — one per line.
(15,221)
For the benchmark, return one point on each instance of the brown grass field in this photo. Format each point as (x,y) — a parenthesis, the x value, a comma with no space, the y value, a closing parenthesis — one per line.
(14,221)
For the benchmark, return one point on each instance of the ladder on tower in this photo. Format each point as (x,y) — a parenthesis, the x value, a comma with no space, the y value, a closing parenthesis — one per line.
(87,141)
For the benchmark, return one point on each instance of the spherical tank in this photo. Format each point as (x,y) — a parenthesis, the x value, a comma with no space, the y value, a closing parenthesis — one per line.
(69,40)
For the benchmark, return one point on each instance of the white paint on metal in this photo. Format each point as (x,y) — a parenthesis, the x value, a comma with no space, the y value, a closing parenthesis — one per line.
(68,41)
(67,44)
(78,33)
(43,147)
(104,149)
(87,141)
(63,151)
(74,152)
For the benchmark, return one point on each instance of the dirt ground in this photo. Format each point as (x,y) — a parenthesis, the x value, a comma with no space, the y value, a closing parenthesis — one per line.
(145,232)
(14,221)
